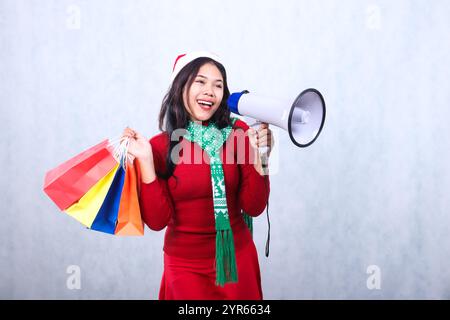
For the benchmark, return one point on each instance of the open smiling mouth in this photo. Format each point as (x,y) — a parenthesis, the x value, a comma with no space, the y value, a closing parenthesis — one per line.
(205,105)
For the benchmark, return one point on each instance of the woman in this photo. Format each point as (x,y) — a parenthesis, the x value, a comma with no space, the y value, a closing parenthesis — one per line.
(206,203)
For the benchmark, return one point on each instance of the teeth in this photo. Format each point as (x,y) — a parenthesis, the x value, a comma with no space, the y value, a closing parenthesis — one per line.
(205,102)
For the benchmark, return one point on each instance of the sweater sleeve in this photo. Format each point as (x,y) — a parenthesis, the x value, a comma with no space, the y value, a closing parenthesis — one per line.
(155,201)
(254,188)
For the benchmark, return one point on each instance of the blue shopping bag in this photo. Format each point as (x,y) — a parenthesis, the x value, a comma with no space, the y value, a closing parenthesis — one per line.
(106,219)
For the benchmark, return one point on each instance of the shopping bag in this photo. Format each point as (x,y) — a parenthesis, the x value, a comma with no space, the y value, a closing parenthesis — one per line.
(115,192)
(86,209)
(129,221)
(106,218)
(69,181)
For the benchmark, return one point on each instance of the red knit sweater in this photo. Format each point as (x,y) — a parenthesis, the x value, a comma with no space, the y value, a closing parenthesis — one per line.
(185,204)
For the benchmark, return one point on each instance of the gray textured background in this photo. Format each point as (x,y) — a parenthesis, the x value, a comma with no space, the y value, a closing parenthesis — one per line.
(371,191)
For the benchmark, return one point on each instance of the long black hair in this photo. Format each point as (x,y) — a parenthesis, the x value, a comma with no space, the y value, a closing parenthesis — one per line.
(173,114)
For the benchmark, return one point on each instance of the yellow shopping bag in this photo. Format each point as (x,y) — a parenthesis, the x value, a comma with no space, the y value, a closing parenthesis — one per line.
(85,210)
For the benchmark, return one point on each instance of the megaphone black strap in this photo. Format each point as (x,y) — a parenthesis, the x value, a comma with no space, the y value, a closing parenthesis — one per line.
(268,230)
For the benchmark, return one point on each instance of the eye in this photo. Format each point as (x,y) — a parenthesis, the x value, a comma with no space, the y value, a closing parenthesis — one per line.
(219,86)
(201,81)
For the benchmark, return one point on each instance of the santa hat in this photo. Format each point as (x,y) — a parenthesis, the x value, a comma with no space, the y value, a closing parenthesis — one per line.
(183,59)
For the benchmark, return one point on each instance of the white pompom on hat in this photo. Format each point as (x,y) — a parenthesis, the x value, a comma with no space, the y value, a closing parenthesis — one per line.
(183,59)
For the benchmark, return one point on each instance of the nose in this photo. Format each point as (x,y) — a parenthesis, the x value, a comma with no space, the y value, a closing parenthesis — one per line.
(208,91)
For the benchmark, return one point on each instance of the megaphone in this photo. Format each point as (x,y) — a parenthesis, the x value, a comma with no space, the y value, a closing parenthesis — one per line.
(303,118)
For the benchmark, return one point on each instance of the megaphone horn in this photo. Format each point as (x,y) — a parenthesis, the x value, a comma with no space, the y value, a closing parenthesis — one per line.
(303,118)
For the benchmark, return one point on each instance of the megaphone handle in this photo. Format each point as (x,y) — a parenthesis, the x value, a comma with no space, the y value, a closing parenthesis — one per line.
(265,162)
(263,150)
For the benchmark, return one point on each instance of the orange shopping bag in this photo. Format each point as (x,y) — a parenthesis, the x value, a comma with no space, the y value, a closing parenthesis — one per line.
(129,221)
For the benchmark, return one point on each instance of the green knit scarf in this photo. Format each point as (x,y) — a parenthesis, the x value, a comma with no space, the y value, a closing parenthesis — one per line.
(211,139)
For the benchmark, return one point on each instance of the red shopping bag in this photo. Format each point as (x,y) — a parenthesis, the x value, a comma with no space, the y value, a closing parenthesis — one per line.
(68,182)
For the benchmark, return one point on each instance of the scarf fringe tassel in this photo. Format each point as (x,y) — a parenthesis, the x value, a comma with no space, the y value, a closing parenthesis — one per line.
(249,222)
(226,270)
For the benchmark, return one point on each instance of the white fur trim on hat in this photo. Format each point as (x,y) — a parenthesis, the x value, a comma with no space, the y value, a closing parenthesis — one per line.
(183,59)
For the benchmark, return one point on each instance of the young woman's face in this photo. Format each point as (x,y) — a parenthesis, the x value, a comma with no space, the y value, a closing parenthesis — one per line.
(205,94)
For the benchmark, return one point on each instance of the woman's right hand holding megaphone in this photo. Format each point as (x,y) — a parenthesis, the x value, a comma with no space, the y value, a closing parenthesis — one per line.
(262,141)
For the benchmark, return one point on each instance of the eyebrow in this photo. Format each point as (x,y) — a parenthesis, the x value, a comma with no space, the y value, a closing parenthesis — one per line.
(200,75)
